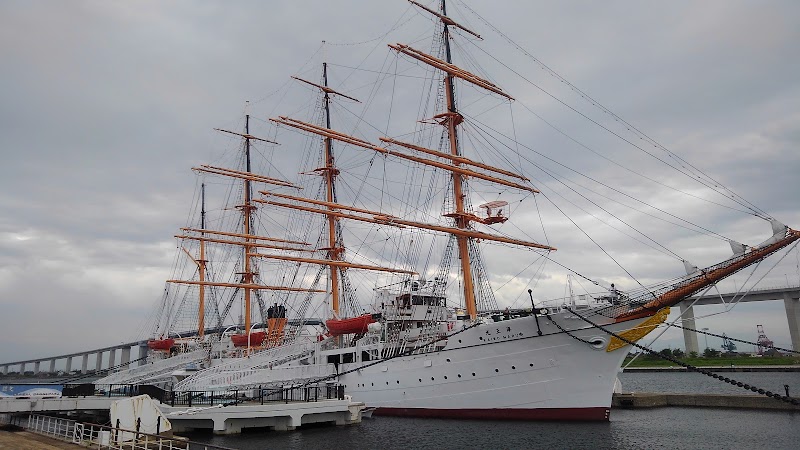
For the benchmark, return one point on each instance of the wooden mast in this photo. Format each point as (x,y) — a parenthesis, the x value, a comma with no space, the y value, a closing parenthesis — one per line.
(458,189)
(334,251)
(201,266)
(247,207)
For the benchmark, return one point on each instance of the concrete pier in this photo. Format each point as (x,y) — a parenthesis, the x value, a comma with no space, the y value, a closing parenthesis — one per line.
(278,416)
(85,363)
(99,361)
(112,356)
(126,355)
(36,366)
(69,365)
(653,400)
(53,365)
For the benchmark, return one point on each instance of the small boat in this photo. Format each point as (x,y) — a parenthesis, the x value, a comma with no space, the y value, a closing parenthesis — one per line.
(351,325)
(241,340)
(366,413)
(160,344)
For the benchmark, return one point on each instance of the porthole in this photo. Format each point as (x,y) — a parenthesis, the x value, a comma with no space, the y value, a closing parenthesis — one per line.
(398,381)
(445,377)
(531,364)
(513,367)
(497,370)
(432,378)
(448,359)
(459,375)
(473,374)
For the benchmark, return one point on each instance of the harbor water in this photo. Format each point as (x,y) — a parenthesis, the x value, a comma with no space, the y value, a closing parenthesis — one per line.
(657,428)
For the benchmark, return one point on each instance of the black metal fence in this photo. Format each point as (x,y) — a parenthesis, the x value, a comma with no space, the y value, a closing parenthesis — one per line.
(260,395)
(271,394)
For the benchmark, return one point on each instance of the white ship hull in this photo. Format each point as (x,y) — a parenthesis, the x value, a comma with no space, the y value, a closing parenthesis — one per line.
(501,370)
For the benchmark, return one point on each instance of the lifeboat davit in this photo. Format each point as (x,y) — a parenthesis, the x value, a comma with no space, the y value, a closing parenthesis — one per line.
(256,339)
(161,344)
(358,324)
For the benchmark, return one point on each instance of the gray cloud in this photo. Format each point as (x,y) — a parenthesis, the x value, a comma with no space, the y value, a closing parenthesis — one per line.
(105,107)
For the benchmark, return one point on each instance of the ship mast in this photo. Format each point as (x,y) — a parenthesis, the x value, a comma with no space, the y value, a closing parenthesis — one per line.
(458,188)
(329,171)
(247,208)
(334,251)
(201,266)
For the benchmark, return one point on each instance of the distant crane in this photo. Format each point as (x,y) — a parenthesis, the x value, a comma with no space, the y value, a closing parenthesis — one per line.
(764,343)
(728,344)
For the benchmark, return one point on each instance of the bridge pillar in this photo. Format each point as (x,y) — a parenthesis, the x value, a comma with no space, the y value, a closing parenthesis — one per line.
(85,363)
(99,363)
(126,355)
(53,365)
(36,367)
(5,370)
(689,337)
(112,356)
(22,369)
(792,306)
(69,364)
(142,354)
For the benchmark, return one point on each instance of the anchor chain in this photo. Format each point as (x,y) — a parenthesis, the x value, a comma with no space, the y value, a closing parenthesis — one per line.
(734,339)
(689,367)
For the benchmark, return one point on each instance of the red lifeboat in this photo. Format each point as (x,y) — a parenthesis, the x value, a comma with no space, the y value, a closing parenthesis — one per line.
(358,324)
(241,340)
(161,344)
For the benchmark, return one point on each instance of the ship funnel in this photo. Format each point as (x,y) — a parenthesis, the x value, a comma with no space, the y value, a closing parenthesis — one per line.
(737,247)
(690,268)
(778,233)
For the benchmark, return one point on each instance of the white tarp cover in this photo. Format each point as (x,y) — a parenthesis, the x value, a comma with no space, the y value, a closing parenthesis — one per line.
(128,410)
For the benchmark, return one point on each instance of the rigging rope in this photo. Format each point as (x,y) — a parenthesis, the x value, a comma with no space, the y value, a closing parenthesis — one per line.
(689,367)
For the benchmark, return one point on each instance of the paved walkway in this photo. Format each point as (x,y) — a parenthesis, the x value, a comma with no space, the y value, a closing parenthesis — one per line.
(23,440)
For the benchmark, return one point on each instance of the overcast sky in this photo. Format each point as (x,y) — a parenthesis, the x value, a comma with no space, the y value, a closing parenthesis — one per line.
(105,107)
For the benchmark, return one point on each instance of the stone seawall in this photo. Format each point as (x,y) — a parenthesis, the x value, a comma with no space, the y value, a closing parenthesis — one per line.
(653,400)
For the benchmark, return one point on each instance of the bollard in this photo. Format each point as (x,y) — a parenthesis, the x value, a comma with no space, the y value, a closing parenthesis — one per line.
(786,386)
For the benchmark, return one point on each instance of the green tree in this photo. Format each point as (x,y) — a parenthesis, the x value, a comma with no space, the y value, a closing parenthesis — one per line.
(666,352)
(693,354)
(710,353)
(678,353)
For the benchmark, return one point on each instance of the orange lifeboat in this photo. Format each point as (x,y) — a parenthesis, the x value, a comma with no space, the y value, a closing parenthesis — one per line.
(160,344)
(352,325)
(256,338)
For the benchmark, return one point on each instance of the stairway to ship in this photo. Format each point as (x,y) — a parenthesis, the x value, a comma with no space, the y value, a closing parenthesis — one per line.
(228,374)
(154,371)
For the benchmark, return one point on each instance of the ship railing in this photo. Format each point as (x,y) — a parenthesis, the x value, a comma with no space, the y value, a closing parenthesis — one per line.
(295,374)
(91,435)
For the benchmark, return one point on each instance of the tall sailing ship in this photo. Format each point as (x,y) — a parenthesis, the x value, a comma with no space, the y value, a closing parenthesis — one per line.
(431,341)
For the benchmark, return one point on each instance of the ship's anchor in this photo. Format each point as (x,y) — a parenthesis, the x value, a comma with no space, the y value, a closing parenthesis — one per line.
(536,316)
